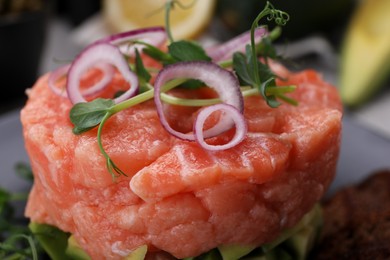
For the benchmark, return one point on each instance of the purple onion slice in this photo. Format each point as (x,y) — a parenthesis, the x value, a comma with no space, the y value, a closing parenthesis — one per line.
(106,69)
(222,81)
(225,51)
(155,36)
(99,53)
(233,113)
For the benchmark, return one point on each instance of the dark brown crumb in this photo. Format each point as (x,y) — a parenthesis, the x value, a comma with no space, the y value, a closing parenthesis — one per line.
(357,221)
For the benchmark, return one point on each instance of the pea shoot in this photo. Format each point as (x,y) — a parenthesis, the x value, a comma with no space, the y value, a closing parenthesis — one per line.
(16,240)
(256,78)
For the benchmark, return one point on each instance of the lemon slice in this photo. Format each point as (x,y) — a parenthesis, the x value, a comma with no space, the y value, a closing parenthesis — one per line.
(186,23)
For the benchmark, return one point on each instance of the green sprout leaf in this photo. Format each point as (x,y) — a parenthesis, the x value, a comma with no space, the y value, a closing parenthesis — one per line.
(270,99)
(242,69)
(156,54)
(266,49)
(187,51)
(87,115)
(143,75)
(250,71)
(255,77)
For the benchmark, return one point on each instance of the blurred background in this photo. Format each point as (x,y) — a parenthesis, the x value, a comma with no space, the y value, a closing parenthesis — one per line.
(37,36)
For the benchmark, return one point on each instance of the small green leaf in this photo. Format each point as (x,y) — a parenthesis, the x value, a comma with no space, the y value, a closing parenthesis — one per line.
(157,54)
(265,72)
(266,49)
(187,51)
(85,116)
(270,99)
(53,240)
(143,75)
(242,69)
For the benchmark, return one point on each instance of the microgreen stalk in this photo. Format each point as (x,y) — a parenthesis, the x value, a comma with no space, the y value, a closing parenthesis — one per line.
(114,170)
(226,63)
(168,7)
(247,67)
(280,18)
(189,102)
(144,96)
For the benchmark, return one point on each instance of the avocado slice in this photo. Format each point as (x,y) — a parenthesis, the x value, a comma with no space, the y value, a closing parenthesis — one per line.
(138,254)
(365,52)
(52,240)
(74,251)
(234,252)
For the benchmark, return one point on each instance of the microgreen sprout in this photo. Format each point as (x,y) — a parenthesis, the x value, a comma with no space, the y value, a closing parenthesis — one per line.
(16,240)
(280,18)
(255,78)
(169,5)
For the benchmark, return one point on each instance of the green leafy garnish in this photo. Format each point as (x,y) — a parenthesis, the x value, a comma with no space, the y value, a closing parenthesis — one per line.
(187,51)
(170,5)
(86,116)
(156,54)
(16,240)
(256,78)
(177,51)
(251,71)
(142,73)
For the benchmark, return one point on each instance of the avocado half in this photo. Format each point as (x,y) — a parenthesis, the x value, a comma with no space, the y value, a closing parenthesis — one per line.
(365,53)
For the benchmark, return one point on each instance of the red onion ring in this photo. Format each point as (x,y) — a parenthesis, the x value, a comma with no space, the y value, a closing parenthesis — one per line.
(97,54)
(152,35)
(222,81)
(225,51)
(233,113)
(107,70)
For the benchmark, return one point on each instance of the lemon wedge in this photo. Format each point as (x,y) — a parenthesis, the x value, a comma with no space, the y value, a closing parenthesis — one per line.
(186,23)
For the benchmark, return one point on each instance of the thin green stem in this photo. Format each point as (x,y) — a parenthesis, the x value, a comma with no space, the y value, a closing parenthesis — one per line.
(280,90)
(145,96)
(250,92)
(100,144)
(263,13)
(189,102)
(226,63)
(132,101)
(99,133)
(168,7)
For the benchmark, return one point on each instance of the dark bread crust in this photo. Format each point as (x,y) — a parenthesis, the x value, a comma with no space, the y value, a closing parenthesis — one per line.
(357,221)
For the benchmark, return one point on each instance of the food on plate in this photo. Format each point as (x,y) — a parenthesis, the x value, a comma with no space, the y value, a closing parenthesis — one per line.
(365,53)
(169,150)
(357,221)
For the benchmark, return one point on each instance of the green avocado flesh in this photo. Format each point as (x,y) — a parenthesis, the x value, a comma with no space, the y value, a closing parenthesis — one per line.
(52,240)
(74,251)
(366,52)
(294,243)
